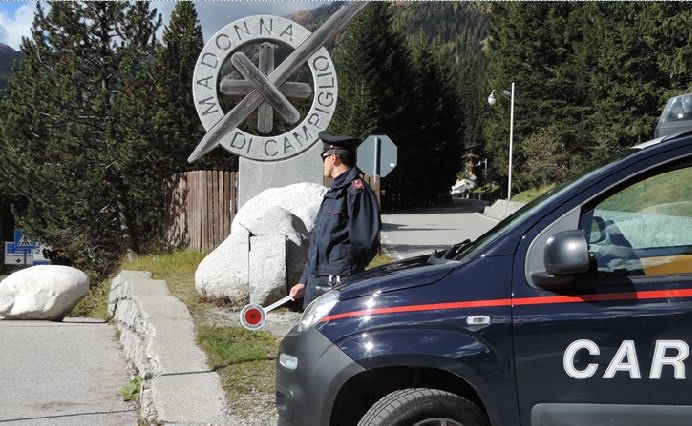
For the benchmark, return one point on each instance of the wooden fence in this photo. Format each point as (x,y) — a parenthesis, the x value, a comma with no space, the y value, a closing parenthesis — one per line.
(201,206)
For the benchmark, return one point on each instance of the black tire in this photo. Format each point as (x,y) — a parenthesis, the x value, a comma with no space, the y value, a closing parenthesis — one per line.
(423,407)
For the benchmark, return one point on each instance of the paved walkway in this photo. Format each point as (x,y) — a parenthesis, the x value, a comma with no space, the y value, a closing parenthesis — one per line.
(62,374)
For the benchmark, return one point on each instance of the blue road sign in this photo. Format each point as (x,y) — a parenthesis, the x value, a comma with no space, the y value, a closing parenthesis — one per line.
(22,241)
(12,248)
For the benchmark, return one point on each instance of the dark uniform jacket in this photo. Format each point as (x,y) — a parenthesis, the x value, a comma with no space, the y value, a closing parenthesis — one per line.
(345,237)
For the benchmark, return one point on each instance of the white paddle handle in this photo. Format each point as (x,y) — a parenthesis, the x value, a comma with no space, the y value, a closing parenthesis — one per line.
(278,303)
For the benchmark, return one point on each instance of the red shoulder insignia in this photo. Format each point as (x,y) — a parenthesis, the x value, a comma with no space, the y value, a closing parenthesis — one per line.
(357,184)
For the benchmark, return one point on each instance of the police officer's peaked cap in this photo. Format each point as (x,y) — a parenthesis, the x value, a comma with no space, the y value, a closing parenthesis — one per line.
(338,142)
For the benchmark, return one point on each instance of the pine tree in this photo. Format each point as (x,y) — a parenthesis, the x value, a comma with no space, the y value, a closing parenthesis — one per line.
(177,126)
(625,80)
(454,33)
(530,47)
(593,77)
(378,93)
(669,23)
(638,70)
(74,131)
(437,127)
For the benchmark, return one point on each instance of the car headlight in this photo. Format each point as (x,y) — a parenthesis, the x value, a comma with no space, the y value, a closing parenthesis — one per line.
(318,309)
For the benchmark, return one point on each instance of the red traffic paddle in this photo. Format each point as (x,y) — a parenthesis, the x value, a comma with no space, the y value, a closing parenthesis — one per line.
(253,316)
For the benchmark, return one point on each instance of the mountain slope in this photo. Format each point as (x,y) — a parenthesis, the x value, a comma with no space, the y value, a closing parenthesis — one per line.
(7,57)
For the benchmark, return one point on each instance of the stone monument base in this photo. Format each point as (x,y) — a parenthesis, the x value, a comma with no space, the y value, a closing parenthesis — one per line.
(256,176)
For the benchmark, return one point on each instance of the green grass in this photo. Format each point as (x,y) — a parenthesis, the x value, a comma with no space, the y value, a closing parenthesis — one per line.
(95,303)
(177,269)
(668,192)
(131,391)
(531,194)
(244,360)
(380,260)
(232,345)
(250,384)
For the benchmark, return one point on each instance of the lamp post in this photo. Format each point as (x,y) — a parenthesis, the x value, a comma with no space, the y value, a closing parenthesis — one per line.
(492,99)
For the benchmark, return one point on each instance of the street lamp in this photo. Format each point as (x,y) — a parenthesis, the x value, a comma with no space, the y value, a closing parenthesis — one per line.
(492,99)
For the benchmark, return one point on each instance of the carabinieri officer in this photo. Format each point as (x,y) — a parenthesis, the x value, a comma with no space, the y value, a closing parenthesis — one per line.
(345,237)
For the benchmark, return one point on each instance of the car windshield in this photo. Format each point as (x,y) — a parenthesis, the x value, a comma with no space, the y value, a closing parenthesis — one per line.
(516,219)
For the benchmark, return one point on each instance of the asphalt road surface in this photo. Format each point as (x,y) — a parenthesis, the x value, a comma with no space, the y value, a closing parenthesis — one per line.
(421,231)
(62,373)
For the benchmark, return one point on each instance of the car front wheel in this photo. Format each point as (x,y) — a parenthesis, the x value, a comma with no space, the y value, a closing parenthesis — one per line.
(423,407)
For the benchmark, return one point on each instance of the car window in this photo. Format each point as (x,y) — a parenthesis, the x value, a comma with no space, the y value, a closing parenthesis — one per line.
(537,205)
(644,228)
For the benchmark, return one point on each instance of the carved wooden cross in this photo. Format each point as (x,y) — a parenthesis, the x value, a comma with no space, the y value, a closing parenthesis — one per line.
(255,79)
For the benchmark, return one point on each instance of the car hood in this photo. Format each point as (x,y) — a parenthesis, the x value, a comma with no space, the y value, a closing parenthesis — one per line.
(406,273)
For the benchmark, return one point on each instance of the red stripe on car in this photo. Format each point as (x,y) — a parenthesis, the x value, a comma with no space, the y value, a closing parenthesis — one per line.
(521,301)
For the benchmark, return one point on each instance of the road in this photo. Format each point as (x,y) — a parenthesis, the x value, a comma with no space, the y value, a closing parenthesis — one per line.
(62,374)
(421,231)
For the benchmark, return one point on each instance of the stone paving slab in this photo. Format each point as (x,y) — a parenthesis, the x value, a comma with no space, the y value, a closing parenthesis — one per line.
(62,374)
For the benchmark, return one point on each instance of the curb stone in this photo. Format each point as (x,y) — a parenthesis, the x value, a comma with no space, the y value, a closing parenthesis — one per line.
(502,208)
(157,334)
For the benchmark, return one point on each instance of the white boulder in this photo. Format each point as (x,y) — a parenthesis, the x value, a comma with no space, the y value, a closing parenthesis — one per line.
(45,292)
(279,222)
(224,271)
(267,275)
(267,248)
(300,199)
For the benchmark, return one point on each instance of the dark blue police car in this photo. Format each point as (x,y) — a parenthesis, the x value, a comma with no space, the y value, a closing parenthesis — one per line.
(575,310)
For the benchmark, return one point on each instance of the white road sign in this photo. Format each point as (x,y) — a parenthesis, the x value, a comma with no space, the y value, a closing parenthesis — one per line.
(17,255)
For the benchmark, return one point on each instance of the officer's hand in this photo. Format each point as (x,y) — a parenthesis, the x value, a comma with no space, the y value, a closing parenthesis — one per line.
(297,291)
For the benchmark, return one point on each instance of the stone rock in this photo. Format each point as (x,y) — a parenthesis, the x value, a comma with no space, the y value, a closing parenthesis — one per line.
(275,225)
(300,199)
(45,292)
(224,271)
(279,221)
(267,268)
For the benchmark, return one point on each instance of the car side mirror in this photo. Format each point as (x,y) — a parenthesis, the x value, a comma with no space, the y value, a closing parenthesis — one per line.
(566,253)
(565,256)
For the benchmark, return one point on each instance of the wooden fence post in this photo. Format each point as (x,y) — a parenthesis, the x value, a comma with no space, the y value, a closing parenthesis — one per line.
(200,209)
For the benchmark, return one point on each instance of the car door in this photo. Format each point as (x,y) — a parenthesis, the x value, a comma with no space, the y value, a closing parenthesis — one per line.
(612,346)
